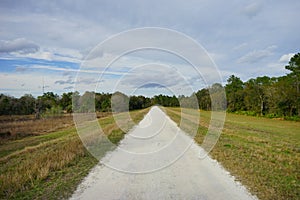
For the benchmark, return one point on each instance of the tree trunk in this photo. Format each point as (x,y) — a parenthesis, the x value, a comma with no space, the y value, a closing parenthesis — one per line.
(261,105)
(298,97)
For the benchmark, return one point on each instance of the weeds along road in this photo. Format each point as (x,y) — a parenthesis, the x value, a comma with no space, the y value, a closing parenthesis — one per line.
(156,160)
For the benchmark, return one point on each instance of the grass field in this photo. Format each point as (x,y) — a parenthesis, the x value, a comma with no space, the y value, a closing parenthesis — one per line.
(263,154)
(50,165)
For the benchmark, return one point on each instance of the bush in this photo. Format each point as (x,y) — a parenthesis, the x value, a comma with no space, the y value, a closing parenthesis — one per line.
(248,113)
(292,118)
(54,111)
(272,115)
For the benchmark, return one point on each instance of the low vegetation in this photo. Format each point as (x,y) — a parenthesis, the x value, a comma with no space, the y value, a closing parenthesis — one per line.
(51,165)
(262,153)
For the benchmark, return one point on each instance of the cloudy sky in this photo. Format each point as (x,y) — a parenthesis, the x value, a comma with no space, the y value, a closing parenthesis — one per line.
(48,42)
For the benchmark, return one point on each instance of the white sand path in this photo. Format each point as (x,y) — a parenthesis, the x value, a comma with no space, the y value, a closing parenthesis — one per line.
(170,159)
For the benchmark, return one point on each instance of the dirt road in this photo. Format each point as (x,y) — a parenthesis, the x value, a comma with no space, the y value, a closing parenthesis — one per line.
(157,160)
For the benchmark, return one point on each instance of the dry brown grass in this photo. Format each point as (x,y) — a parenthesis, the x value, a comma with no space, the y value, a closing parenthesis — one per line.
(49,165)
(20,127)
(16,127)
(46,159)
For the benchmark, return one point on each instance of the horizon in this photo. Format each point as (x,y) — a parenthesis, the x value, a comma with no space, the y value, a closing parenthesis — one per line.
(43,91)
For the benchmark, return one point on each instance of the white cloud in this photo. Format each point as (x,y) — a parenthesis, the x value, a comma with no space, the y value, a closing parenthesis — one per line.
(54,68)
(286,57)
(257,55)
(71,81)
(19,45)
(152,74)
(58,54)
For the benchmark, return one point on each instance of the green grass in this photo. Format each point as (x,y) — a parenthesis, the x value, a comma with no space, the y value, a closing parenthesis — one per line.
(262,153)
(116,136)
(50,166)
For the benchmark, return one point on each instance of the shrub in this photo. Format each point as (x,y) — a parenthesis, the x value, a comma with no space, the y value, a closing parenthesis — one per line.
(54,111)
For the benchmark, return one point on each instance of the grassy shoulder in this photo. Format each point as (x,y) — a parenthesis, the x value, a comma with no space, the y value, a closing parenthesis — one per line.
(262,153)
(51,165)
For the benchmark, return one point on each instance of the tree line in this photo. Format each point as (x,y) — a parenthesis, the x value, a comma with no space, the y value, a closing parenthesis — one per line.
(267,96)
(264,96)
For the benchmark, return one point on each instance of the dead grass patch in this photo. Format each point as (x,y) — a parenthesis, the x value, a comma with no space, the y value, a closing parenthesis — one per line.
(17,127)
(49,165)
